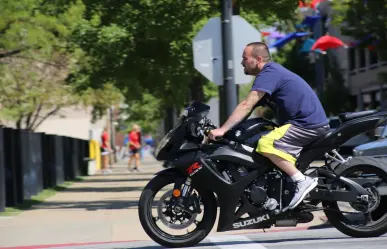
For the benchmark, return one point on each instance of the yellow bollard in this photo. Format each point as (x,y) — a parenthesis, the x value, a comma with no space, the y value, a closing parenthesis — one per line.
(95,153)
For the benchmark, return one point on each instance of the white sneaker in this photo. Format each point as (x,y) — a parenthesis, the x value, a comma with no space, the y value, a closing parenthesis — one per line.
(302,188)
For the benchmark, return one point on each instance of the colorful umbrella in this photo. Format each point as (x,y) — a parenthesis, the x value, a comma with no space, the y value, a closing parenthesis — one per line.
(289,37)
(276,35)
(326,42)
(302,4)
(307,45)
(263,33)
(310,20)
(315,3)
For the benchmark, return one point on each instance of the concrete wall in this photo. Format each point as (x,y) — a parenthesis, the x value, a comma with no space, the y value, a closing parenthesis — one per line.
(75,123)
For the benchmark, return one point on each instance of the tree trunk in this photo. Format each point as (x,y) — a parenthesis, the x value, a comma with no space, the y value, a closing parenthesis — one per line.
(18,124)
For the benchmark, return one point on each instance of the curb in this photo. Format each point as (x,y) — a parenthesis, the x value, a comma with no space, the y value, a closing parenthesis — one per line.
(66,245)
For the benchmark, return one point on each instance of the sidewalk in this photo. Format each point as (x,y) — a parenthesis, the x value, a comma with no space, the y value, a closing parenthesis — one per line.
(100,208)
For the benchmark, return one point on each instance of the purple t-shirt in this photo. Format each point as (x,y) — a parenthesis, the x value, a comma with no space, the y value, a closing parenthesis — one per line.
(297,103)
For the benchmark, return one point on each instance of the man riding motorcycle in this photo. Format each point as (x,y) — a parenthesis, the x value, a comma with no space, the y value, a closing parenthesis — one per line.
(301,115)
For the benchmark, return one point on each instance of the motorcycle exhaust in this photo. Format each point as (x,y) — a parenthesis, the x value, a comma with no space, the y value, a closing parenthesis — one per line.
(292,222)
(286,223)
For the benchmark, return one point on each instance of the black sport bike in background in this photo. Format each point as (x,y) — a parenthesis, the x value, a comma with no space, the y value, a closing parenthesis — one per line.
(250,191)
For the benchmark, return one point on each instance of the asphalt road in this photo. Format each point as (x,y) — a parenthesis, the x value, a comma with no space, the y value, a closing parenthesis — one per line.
(326,238)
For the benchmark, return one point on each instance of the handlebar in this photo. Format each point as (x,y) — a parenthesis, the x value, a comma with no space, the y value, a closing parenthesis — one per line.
(217,139)
(207,132)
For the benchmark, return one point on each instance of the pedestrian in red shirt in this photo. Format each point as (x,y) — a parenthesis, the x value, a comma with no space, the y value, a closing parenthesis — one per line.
(105,150)
(134,147)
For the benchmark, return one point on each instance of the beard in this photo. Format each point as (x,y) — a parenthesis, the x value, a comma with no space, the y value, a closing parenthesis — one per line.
(245,70)
(251,71)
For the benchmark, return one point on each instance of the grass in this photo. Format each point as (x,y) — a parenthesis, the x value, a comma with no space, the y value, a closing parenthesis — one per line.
(37,199)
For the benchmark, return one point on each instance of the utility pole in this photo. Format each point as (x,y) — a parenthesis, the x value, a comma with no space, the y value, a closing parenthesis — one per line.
(228,92)
(235,12)
(112,134)
(319,64)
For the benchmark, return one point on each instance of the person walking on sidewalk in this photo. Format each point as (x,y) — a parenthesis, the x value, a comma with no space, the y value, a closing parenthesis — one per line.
(134,147)
(105,151)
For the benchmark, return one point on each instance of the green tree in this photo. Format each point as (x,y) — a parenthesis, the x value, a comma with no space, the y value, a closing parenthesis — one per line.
(361,19)
(36,56)
(28,26)
(32,92)
(144,113)
(146,46)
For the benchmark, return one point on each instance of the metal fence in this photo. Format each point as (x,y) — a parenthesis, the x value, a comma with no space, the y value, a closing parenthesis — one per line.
(31,162)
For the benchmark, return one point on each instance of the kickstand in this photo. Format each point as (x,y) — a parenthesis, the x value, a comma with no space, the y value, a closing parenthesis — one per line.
(264,230)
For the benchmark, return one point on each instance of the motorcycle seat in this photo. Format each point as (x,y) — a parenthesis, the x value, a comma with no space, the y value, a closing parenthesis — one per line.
(346,116)
(343,118)
(320,139)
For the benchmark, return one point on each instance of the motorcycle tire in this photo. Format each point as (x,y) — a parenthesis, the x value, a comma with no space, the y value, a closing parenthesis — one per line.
(335,218)
(173,241)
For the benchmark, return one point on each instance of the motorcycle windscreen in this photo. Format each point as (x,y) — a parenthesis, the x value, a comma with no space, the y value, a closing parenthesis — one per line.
(170,143)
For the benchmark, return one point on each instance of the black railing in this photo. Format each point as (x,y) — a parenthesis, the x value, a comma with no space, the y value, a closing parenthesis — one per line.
(31,162)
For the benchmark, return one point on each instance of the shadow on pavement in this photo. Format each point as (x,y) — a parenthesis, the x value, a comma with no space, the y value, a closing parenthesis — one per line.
(322,226)
(90,206)
(118,180)
(127,174)
(103,189)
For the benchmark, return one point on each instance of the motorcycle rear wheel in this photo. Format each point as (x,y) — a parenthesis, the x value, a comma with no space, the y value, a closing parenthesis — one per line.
(340,222)
(174,241)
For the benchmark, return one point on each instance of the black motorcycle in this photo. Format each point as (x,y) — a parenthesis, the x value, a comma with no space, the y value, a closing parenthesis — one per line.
(250,191)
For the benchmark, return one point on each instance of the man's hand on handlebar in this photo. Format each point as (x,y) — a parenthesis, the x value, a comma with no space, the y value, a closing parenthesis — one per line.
(216,134)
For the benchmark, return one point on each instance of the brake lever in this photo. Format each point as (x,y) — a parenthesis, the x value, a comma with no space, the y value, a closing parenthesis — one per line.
(218,138)
(222,140)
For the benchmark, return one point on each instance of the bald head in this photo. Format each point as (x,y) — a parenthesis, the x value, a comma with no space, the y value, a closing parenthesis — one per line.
(260,49)
(255,56)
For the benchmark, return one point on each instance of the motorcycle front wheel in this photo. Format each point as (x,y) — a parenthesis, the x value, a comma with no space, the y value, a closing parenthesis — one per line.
(174,222)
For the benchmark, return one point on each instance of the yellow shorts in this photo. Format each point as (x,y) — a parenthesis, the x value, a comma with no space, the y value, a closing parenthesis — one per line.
(288,140)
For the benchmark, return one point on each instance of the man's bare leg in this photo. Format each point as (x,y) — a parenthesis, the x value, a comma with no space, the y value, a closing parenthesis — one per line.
(303,183)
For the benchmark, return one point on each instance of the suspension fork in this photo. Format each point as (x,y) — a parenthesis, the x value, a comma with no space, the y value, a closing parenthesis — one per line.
(182,187)
(187,189)
(182,192)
